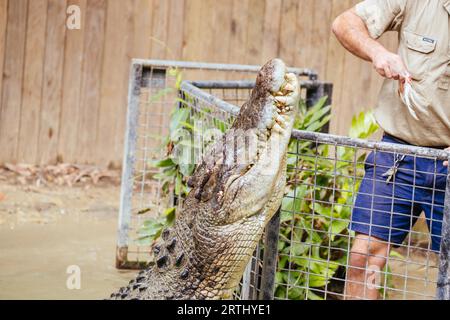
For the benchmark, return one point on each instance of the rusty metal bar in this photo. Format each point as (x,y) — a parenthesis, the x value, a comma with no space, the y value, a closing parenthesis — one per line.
(270,258)
(126,189)
(216,66)
(443,282)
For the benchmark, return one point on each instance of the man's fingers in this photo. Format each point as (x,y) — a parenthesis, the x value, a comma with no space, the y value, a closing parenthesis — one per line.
(381,72)
(388,72)
(401,85)
(446,162)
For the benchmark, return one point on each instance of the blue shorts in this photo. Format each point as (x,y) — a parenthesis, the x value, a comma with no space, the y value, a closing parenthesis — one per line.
(388,211)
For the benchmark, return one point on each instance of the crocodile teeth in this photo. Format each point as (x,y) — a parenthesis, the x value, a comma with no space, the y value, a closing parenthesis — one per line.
(288,88)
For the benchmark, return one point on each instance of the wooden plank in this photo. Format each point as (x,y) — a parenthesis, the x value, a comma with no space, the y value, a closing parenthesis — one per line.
(73,59)
(159,29)
(90,84)
(123,78)
(321,29)
(255,31)
(288,31)
(238,38)
(32,81)
(196,31)
(12,79)
(303,40)
(176,29)
(220,41)
(272,17)
(52,84)
(354,92)
(116,63)
(142,24)
(192,29)
(3,23)
(335,69)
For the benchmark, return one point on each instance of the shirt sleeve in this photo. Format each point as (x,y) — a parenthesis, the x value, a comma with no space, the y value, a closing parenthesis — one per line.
(381,15)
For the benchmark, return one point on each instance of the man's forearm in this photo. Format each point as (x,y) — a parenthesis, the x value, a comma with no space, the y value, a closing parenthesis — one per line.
(352,33)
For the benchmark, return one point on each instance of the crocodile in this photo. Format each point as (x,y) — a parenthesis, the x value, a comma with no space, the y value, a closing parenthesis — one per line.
(232,198)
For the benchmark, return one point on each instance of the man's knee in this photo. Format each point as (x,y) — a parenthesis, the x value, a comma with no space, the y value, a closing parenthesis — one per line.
(368,252)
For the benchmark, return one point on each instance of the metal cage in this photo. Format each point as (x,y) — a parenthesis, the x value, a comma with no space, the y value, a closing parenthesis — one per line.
(304,253)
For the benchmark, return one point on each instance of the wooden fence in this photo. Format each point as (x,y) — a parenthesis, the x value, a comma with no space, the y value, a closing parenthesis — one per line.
(63,92)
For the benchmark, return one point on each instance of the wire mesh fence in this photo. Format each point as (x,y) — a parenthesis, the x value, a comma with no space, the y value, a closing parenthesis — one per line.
(339,187)
(309,250)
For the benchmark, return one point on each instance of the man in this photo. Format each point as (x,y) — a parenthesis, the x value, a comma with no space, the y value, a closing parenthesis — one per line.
(384,214)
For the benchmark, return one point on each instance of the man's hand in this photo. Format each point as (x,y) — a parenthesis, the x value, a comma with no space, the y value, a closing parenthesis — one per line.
(388,64)
(352,33)
(446,162)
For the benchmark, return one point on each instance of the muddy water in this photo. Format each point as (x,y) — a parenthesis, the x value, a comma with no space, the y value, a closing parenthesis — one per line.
(43,232)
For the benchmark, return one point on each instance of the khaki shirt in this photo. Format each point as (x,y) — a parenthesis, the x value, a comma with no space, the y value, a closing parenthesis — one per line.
(423,27)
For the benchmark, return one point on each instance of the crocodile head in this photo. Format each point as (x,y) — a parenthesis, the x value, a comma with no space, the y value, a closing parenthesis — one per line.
(235,191)
(238,175)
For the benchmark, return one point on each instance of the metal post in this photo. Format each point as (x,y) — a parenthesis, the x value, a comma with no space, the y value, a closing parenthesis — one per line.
(246,281)
(443,282)
(126,189)
(270,258)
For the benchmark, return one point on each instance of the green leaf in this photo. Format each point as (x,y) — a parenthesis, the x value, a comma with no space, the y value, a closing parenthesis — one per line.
(363,125)
(179,116)
(316,281)
(396,254)
(316,126)
(324,211)
(170,215)
(164,163)
(312,296)
(337,226)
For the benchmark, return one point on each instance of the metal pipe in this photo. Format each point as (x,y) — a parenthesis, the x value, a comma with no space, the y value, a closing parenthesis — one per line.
(215,66)
(367,144)
(270,258)
(443,282)
(246,84)
(208,98)
(126,189)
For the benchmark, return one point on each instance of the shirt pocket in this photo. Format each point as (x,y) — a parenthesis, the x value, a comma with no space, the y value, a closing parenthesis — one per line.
(419,49)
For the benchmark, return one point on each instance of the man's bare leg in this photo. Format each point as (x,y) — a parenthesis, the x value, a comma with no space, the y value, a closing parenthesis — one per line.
(367,258)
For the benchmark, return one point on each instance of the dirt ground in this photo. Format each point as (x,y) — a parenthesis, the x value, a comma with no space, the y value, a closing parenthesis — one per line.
(47,227)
